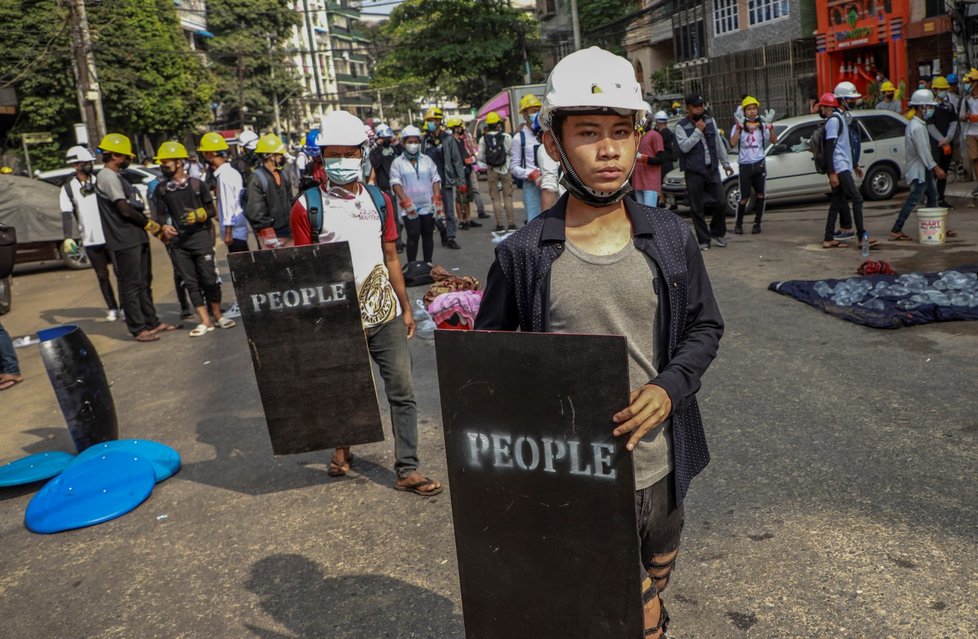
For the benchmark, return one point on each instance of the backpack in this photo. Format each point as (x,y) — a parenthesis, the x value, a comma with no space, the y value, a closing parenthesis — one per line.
(314,209)
(817,146)
(495,150)
(417,273)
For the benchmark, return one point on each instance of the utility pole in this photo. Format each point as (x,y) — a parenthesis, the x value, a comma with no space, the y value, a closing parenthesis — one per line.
(89,92)
(271,66)
(575,21)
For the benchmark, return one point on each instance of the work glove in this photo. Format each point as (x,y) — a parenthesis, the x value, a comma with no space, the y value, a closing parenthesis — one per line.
(153,228)
(407,206)
(196,216)
(439,206)
(268,239)
(69,247)
(739,117)
(769,115)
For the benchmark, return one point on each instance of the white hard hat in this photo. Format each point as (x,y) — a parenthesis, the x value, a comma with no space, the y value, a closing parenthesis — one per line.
(383,131)
(661,116)
(79,154)
(592,79)
(923,97)
(341,128)
(410,131)
(248,139)
(846,90)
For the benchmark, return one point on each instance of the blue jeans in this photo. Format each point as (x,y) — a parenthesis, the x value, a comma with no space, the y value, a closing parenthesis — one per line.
(531,200)
(388,346)
(8,356)
(917,189)
(648,198)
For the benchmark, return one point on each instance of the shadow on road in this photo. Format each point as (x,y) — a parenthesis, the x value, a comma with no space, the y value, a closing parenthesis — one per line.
(296,593)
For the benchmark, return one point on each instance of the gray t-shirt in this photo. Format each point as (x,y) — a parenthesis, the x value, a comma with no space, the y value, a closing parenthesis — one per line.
(613,295)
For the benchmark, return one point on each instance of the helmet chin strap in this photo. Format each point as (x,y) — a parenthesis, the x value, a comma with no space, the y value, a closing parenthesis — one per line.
(573,183)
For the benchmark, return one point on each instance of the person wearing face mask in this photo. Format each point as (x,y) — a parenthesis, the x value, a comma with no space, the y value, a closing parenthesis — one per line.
(952,93)
(463,195)
(494,147)
(922,169)
(888,103)
(79,202)
(522,158)
(751,138)
(381,158)
(227,185)
(342,210)
(943,128)
(125,227)
(969,116)
(416,184)
(269,195)
(441,147)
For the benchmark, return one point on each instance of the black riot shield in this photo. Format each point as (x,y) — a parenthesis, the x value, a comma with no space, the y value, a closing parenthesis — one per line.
(543,495)
(300,312)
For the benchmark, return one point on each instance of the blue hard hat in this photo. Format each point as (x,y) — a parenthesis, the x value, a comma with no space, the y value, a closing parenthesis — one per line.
(952,78)
(311,137)
(535,127)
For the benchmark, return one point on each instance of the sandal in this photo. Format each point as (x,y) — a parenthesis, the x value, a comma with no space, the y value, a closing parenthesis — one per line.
(951,233)
(9,379)
(146,336)
(835,244)
(900,237)
(202,329)
(341,468)
(417,486)
(164,328)
(226,322)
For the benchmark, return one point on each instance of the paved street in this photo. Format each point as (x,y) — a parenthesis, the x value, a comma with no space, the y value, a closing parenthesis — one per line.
(841,500)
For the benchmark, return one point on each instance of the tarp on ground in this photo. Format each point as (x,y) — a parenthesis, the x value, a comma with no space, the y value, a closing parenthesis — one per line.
(891,316)
(32,207)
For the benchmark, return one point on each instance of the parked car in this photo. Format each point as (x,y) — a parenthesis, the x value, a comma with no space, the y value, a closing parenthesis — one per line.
(33,208)
(139,176)
(791,171)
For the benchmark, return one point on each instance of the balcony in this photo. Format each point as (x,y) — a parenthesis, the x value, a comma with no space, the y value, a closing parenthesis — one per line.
(358,80)
(349,35)
(340,9)
(356,100)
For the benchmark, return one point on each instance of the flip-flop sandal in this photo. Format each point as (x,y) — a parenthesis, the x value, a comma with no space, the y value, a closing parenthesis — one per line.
(339,470)
(164,328)
(202,329)
(416,488)
(900,237)
(226,322)
(147,336)
(951,234)
(7,383)
(835,244)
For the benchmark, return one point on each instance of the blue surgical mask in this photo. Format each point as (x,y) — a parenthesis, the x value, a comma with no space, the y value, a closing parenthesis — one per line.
(929,113)
(342,170)
(942,95)
(431,126)
(967,88)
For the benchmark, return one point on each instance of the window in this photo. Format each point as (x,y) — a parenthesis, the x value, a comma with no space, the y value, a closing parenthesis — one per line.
(761,11)
(882,127)
(798,138)
(726,17)
(689,41)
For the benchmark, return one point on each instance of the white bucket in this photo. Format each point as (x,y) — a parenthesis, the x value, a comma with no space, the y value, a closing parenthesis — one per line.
(932,224)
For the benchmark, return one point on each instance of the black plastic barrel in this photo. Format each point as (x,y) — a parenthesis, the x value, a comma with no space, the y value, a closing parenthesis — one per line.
(79,381)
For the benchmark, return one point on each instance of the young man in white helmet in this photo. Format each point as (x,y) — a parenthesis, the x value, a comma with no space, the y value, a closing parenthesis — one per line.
(598,262)
(78,200)
(844,159)
(922,169)
(342,210)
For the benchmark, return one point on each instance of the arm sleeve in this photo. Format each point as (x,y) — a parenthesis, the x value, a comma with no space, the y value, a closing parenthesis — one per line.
(256,209)
(701,339)
(935,135)
(952,131)
(548,171)
(481,156)
(230,198)
(498,311)
(299,221)
(515,159)
(66,205)
(687,142)
(922,146)
(657,149)
(390,226)
(395,177)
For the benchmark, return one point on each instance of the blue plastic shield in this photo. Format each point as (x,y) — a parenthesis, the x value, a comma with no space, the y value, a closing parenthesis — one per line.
(34,468)
(165,460)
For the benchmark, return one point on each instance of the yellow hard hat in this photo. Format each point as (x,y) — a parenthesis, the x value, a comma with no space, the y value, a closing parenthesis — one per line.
(270,143)
(972,75)
(213,141)
(749,101)
(493,118)
(116,143)
(940,82)
(887,87)
(529,101)
(676,105)
(171,150)
(453,122)
(6,170)
(433,113)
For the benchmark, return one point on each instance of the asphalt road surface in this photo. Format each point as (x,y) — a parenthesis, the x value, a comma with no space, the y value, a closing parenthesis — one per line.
(841,501)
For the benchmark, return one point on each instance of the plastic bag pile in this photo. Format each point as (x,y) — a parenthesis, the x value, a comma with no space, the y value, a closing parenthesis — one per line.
(951,288)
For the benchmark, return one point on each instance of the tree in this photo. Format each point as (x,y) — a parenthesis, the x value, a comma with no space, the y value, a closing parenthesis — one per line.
(602,22)
(248,50)
(469,49)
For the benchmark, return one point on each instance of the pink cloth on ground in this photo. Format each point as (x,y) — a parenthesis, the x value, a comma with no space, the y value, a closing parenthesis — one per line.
(465,303)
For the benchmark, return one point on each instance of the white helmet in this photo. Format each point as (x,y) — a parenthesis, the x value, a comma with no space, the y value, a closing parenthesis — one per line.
(248,139)
(846,90)
(410,131)
(79,154)
(923,97)
(383,131)
(341,128)
(592,79)
(661,116)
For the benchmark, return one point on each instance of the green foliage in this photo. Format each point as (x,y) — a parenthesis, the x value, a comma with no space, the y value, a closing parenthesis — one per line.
(664,80)
(469,49)
(247,50)
(600,25)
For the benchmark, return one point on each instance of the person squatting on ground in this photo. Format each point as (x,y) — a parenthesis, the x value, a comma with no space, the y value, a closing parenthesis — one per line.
(185,215)
(751,137)
(441,147)
(364,217)
(922,168)
(593,264)
(494,148)
(125,227)
(647,178)
(522,157)
(269,195)
(227,186)
(942,127)
(701,153)
(78,201)
(416,184)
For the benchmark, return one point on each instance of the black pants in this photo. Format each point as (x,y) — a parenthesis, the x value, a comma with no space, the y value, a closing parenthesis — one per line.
(134,268)
(101,257)
(196,269)
(752,177)
(847,189)
(706,193)
(943,161)
(423,228)
(238,246)
(178,285)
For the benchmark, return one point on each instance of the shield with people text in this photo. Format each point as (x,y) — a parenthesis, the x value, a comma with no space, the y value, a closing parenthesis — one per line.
(543,494)
(302,318)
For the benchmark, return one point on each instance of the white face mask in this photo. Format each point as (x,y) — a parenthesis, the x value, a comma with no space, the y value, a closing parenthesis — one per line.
(342,170)
(412,148)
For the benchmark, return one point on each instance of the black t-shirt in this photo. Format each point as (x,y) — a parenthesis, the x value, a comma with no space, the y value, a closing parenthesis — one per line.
(944,116)
(120,232)
(381,162)
(176,203)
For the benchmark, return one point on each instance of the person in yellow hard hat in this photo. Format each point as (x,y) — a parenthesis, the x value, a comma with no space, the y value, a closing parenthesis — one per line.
(185,213)
(943,131)
(889,103)
(494,154)
(440,145)
(126,226)
(463,196)
(6,170)
(522,158)
(269,195)
(751,138)
(228,185)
